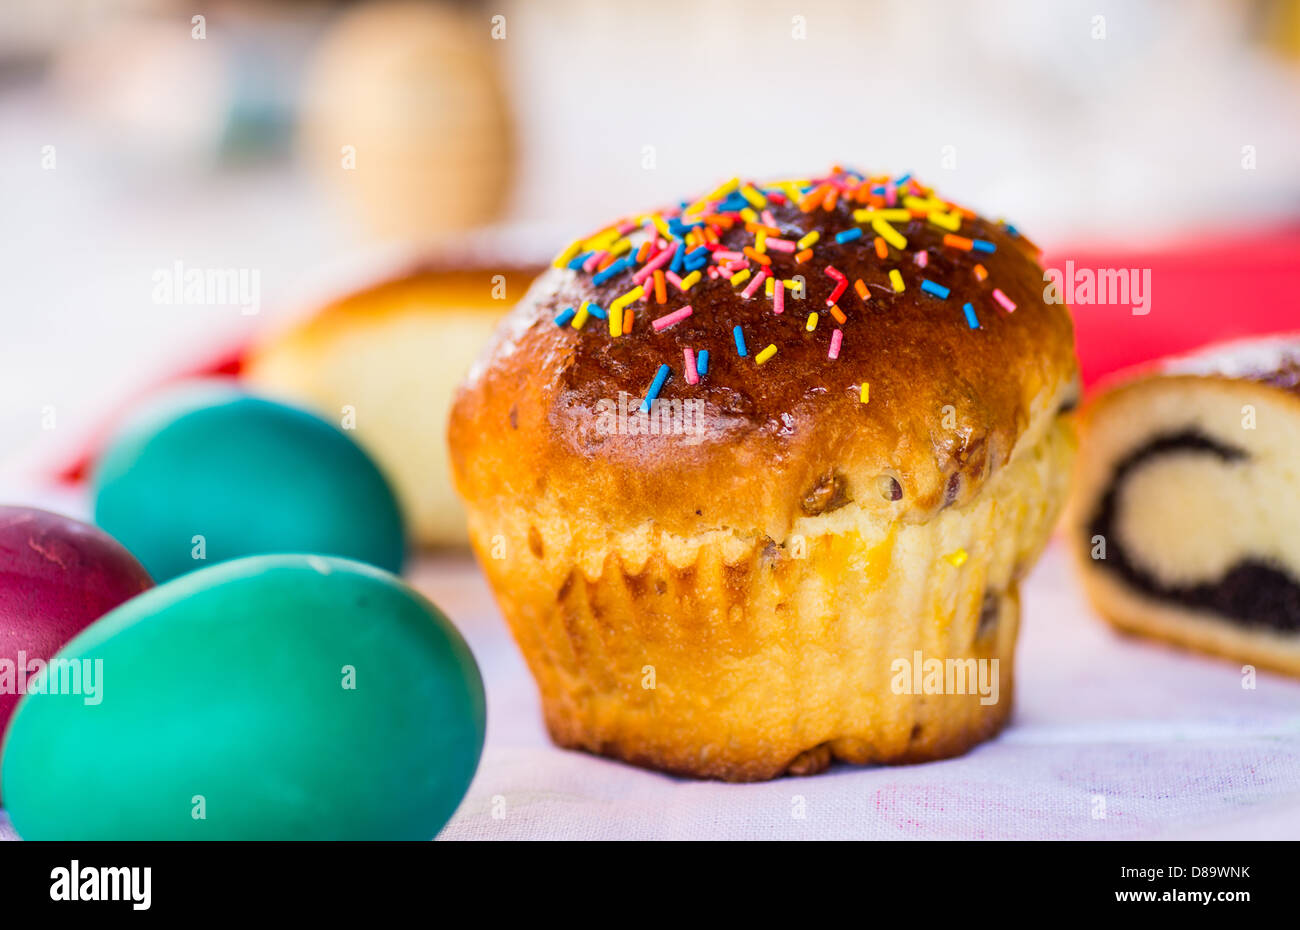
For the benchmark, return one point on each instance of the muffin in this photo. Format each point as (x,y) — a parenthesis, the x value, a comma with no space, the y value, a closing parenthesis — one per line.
(1184,511)
(733,525)
(385,361)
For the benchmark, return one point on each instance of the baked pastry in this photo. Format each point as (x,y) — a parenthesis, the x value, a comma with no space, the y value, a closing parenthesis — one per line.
(1184,514)
(385,360)
(740,564)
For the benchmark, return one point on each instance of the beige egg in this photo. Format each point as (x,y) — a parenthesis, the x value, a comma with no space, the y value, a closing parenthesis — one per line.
(405,119)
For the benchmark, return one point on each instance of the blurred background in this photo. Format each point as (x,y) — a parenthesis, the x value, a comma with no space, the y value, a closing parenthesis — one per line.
(315,147)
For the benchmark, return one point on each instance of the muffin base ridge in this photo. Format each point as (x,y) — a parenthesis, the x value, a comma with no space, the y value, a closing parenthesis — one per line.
(738,658)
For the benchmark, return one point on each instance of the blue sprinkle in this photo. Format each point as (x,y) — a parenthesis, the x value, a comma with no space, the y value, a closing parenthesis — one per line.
(848,235)
(597,311)
(938,290)
(577,261)
(983,245)
(740,341)
(701,252)
(655,387)
(970,316)
(600,277)
(702,363)
(903,180)
(679,256)
(695,264)
(565,317)
(1011,229)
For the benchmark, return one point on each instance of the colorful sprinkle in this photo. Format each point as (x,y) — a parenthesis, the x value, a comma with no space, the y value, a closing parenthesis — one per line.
(837,338)
(767,353)
(861,287)
(670,319)
(655,387)
(896,280)
(565,316)
(848,235)
(981,273)
(983,245)
(938,290)
(811,323)
(778,298)
(971,319)
(838,314)
(809,240)
(702,363)
(1004,300)
(739,336)
(692,375)
(864,393)
(889,233)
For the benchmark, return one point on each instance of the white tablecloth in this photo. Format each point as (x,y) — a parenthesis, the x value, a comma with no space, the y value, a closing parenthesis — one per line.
(1113,738)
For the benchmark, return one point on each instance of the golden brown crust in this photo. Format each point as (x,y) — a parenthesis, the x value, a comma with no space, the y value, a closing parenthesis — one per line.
(947,403)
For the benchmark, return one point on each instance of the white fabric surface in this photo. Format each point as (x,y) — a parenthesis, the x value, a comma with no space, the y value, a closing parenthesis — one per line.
(1171,741)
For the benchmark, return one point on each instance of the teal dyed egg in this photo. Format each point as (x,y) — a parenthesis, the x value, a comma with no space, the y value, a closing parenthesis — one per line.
(273,697)
(211,473)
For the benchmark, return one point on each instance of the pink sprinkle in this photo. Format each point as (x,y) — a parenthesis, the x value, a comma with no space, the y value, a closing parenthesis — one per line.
(592,263)
(674,280)
(891,195)
(768,219)
(626,227)
(835,273)
(732,267)
(1004,300)
(748,292)
(778,298)
(692,376)
(713,271)
(841,286)
(668,319)
(780,245)
(837,337)
(923,258)
(726,256)
(649,267)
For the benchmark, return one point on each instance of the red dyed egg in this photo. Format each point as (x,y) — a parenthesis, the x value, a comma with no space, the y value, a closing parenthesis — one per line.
(57,576)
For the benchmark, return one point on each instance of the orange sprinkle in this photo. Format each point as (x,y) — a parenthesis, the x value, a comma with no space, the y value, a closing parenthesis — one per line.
(813,198)
(981,272)
(958,242)
(838,314)
(832,197)
(861,288)
(661,289)
(803,256)
(756,255)
(882,250)
(642,252)
(762,228)
(627,320)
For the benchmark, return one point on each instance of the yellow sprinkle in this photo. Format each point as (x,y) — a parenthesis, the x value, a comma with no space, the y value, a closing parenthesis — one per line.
(724,190)
(767,353)
(891,215)
(619,247)
(865,394)
(580,318)
(569,254)
(754,196)
(809,239)
(615,321)
(957,558)
(760,242)
(812,322)
(750,216)
(602,240)
(740,277)
(923,203)
(688,282)
(948,221)
(896,279)
(769,287)
(662,226)
(888,233)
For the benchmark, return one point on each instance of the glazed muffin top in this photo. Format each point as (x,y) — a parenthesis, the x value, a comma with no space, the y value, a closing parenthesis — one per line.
(868,343)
